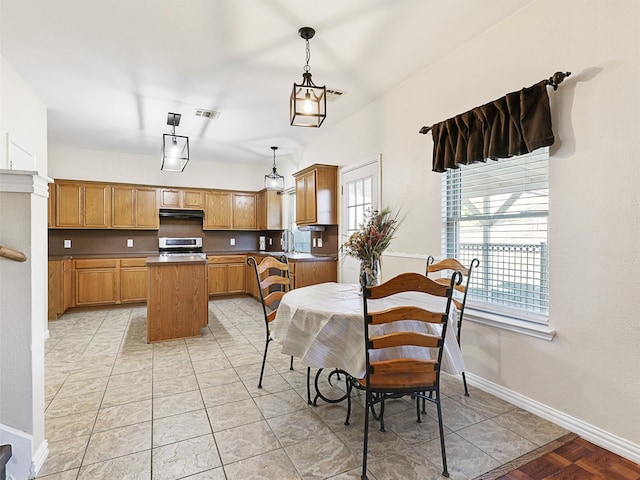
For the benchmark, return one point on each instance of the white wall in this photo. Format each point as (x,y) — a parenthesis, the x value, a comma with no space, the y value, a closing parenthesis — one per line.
(23,286)
(80,164)
(590,371)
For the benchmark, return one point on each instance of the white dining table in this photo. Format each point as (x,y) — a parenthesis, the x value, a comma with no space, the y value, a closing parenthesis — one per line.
(323,326)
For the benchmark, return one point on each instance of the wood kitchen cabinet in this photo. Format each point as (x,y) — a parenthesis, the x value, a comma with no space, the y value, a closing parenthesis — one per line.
(244,211)
(178,301)
(217,210)
(60,287)
(186,199)
(316,195)
(82,205)
(311,273)
(226,274)
(226,210)
(269,210)
(96,282)
(133,280)
(135,207)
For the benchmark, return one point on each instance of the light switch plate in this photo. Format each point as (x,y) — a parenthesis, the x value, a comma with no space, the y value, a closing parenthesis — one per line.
(129,242)
(232,241)
(320,242)
(314,242)
(270,241)
(67,244)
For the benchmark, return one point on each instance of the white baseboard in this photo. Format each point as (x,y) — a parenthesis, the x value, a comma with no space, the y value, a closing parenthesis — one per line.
(604,439)
(22,465)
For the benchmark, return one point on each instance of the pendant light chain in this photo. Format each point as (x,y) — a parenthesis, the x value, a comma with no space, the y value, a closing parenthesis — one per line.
(307,67)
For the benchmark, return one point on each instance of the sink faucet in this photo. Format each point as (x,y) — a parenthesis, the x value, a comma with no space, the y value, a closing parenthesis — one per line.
(287,241)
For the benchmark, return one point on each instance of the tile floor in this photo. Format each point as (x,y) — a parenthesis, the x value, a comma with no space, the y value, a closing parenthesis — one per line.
(118,408)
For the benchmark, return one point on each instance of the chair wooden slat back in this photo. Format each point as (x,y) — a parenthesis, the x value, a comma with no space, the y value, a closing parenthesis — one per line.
(402,359)
(271,289)
(452,264)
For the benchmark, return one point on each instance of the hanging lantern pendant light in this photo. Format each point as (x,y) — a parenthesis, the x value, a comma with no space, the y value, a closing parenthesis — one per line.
(308,102)
(175,148)
(273,181)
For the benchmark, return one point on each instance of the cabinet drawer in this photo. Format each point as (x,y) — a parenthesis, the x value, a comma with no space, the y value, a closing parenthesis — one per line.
(227,259)
(97,263)
(133,262)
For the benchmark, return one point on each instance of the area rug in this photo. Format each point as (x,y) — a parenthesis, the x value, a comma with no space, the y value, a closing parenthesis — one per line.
(526,458)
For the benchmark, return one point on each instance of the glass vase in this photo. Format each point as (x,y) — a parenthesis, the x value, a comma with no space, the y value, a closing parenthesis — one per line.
(370,272)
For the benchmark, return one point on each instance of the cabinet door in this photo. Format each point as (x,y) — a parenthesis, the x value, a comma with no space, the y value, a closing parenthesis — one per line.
(51,207)
(261,210)
(67,285)
(311,273)
(55,289)
(146,208)
(192,199)
(217,279)
(310,197)
(274,210)
(169,198)
(133,284)
(236,279)
(244,211)
(96,286)
(97,206)
(300,201)
(68,205)
(217,211)
(122,207)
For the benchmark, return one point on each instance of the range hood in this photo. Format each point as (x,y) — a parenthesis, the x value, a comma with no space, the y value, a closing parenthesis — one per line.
(175,213)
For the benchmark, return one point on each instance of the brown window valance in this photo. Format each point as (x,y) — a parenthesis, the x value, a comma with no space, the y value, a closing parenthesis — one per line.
(517,123)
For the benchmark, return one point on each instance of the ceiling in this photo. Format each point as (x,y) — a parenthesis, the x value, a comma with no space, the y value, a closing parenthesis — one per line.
(109,71)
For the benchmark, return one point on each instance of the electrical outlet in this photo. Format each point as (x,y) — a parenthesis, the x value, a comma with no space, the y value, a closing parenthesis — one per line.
(314,242)
(129,242)
(270,241)
(232,241)
(320,242)
(67,244)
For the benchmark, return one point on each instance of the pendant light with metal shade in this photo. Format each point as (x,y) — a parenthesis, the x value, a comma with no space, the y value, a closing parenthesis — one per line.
(308,102)
(273,181)
(175,148)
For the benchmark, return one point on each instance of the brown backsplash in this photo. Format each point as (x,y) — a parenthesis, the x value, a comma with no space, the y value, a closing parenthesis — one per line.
(145,242)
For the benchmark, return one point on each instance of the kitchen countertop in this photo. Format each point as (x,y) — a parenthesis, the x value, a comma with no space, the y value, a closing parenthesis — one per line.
(172,260)
(292,256)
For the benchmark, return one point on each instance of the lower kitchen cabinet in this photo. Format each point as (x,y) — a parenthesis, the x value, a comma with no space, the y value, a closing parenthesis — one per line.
(60,287)
(226,274)
(133,280)
(310,273)
(96,282)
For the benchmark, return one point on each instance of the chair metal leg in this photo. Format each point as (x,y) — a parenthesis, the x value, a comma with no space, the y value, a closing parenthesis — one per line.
(291,365)
(349,387)
(419,420)
(264,360)
(445,472)
(464,380)
(368,403)
(308,386)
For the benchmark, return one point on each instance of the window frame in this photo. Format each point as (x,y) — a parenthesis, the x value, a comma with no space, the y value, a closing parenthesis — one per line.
(514,319)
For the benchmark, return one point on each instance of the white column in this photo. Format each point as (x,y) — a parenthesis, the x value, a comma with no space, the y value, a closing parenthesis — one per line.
(23,320)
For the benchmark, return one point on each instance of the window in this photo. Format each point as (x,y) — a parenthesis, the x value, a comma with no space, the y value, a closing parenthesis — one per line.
(301,239)
(497,212)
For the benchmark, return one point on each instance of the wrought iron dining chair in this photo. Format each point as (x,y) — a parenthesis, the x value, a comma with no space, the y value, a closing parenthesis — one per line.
(272,288)
(459,298)
(394,366)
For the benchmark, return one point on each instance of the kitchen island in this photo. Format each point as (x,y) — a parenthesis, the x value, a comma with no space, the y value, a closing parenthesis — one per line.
(177,304)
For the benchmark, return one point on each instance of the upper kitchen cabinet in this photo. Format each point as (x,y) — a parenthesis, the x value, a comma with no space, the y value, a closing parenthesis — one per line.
(217,210)
(225,210)
(244,211)
(316,195)
(135,207)
(82,205)
(176,198)
(269,210)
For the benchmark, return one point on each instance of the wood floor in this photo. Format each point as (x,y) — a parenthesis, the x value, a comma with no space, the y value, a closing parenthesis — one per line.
(568,458)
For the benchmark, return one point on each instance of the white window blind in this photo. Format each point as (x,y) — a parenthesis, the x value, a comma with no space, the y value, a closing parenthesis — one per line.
(497,212)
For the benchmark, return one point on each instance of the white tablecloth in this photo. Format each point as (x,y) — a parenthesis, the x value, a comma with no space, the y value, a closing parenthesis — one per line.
(323,325)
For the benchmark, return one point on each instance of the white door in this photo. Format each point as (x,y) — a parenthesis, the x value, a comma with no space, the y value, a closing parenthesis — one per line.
(360,190)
